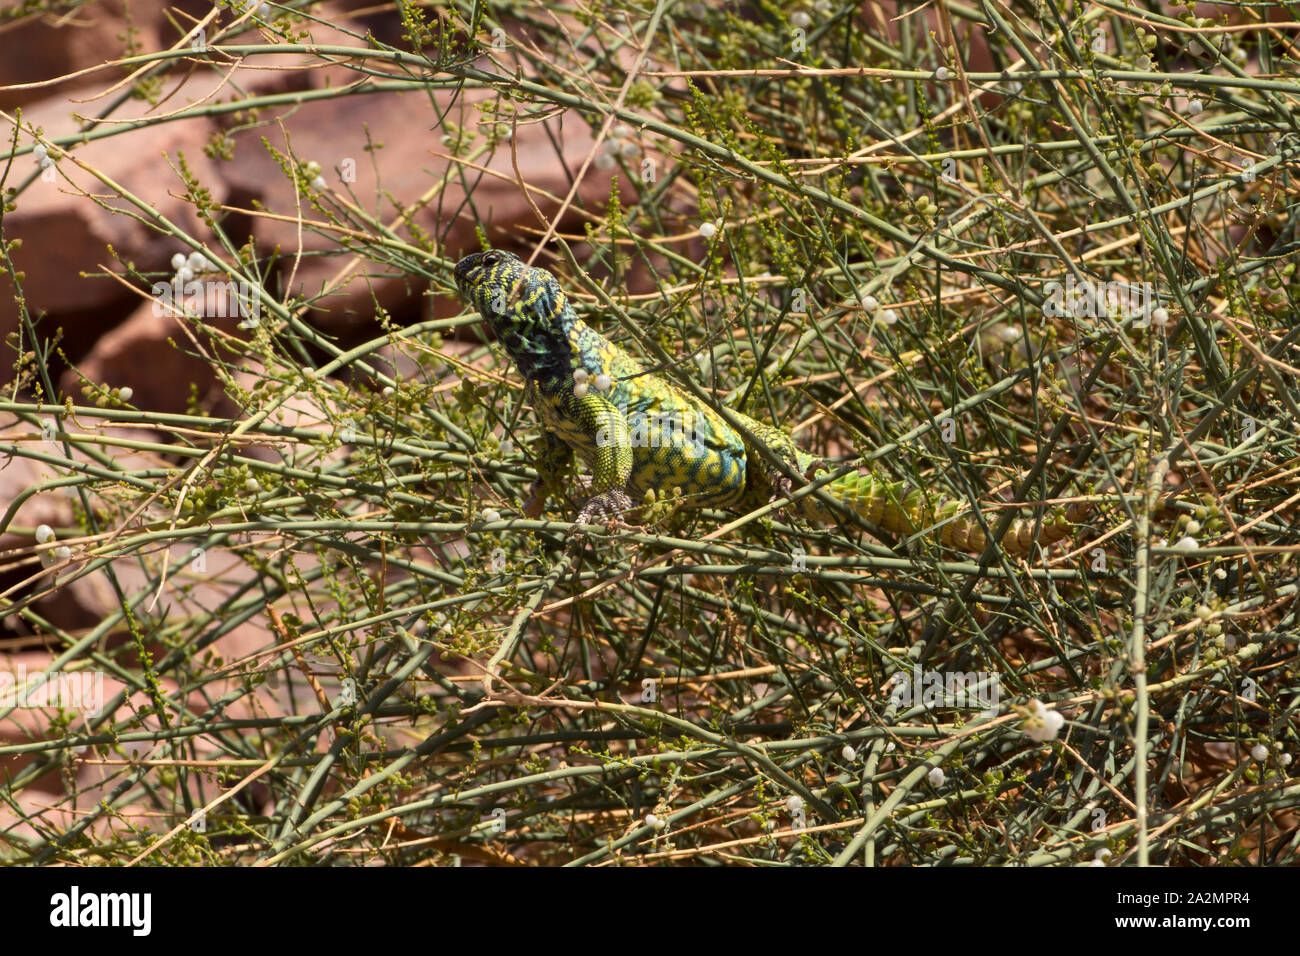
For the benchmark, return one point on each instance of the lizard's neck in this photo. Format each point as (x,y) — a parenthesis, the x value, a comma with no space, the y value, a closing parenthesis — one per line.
(543,347)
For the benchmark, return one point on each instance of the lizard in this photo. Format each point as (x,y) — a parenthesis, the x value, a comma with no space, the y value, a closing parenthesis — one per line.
(638,431)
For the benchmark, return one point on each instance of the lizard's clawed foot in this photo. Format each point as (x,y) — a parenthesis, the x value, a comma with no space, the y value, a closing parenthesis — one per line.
(818,464)
(781,488)
(605,507)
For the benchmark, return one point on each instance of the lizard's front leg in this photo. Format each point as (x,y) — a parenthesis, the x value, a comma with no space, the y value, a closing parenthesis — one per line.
(612,464)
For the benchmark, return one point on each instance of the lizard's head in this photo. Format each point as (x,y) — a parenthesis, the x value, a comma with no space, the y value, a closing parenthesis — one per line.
(511,296)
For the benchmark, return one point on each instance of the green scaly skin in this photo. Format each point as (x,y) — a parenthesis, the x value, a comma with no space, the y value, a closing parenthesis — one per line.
(638,432)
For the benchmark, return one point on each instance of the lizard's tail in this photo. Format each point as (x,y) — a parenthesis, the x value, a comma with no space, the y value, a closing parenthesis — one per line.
(892,506)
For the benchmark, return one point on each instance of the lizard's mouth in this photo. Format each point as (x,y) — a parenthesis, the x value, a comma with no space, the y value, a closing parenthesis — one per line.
(467,270)
(460,272)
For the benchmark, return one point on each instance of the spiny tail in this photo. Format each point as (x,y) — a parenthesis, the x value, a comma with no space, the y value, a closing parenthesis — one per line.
(892,506)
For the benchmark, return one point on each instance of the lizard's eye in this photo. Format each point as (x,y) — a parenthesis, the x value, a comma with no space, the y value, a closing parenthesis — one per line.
(491,258)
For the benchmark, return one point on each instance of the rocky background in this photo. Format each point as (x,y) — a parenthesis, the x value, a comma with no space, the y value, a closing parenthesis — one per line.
(388,151)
